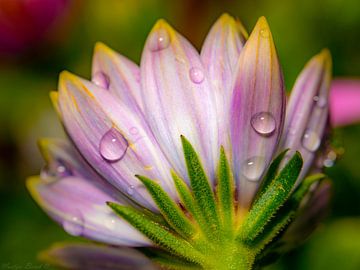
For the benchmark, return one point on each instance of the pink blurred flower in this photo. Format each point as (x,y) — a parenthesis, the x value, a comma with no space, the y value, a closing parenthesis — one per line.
(26,23)
(345,102)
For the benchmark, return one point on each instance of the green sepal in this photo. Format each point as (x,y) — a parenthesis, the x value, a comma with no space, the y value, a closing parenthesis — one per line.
(271,200)
(169,209)
(203,195)
(287,212)
(270,174)
(225,192)
(157,233)
(167,261)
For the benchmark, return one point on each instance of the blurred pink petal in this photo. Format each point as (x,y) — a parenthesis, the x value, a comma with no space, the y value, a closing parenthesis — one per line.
(345,102)
(25,23)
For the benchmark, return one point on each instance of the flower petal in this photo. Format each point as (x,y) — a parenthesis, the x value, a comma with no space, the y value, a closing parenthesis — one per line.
(307,111)
(220,54)
(94,257)
(178,99)
(257,110)
(345,102)
(114,140)
(63,160)
(118,74)
(80,207)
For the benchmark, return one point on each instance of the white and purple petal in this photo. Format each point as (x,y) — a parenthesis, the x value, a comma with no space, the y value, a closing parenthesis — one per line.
(80,207)
(220,54)
(112,138)
(307,111)
(178,98)
(118,74)
(257,110)
(95,257)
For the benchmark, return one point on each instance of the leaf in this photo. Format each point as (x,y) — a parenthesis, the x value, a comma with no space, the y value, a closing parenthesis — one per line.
(225,192)
(168,261)
(202,191)
(271,173)
(271,200)
(158,234)
(287,213)
(171,212)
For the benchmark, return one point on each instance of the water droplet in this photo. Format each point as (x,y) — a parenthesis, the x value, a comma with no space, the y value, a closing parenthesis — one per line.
(159,40)
(74,226)
(134,131)
(311,141)
(253,168)
(130,189)
(196,75)
(113,145)
(101,79)
(264,33)
(330,159)
(320,101)
(57,169)
(263,123)
(110,223)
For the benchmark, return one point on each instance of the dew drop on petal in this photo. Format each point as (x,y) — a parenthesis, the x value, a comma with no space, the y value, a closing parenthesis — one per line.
(263,123)
(113,145)
(253,168)
(74,225)
(159,40)
(134,131)
(62,169)
(196,75)
(101,80)
(130,189)
(320,101)
(311,141)
(264,33)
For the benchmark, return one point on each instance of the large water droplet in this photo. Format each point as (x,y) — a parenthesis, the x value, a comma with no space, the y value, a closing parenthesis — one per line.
(196,75)
(101,79)
(159,40)
(253,168)
(320,101)
(113,145)
(130,190)
(74,226)
(263,123)
(311,140)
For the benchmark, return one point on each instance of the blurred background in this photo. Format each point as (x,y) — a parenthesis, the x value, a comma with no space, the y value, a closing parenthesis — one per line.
(40,38)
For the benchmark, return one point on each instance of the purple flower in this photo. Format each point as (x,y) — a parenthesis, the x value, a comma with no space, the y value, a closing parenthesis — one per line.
(24,23)
(345,102)
(127,121)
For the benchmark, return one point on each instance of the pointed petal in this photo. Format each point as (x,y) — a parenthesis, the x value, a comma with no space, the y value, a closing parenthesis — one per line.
(92,257)
(79,206)
(345,102)
(219,55)
(114,140)
(307,111)
(178,99)
(118,74)
(63,160)
(257,110)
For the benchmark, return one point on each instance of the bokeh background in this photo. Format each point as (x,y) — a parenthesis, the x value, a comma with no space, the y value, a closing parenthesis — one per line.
(40,38)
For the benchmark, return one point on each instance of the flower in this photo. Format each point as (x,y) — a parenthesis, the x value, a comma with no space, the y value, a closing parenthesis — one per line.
(24,24)
(345,102)
(190,157)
